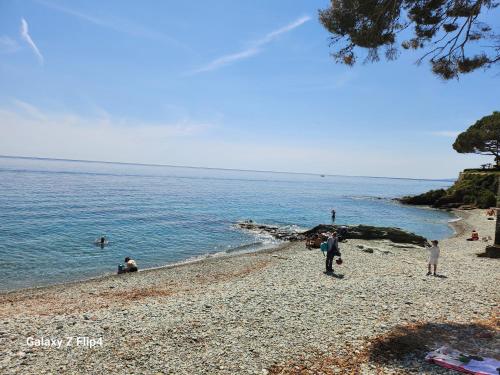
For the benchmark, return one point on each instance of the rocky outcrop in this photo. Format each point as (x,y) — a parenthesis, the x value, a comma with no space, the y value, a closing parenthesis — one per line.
(472,189)
(280,233)
(363,232)
(368,232)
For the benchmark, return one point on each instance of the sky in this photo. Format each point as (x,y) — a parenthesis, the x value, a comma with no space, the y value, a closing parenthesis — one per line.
(229,84)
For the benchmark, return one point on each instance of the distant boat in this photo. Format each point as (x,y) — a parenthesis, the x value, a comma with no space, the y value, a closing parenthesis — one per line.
(322,175)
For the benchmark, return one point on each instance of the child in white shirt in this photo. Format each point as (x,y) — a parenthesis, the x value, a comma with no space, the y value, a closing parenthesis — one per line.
(433,257)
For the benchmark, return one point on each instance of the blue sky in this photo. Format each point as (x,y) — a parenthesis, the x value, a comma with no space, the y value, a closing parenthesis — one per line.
(231,84)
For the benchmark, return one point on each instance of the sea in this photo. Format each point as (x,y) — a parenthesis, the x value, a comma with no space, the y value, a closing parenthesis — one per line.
(52,211)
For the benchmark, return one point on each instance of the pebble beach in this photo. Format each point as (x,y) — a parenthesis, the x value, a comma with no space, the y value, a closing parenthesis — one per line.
(269,312)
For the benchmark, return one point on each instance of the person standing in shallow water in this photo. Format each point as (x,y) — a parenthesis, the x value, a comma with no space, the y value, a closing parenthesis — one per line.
(333,249)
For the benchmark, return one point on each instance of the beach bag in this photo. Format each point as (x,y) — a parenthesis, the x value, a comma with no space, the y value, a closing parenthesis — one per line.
(335,248)
(324,247)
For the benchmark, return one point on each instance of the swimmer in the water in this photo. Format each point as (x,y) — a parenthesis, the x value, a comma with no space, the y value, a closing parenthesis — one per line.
(101,241)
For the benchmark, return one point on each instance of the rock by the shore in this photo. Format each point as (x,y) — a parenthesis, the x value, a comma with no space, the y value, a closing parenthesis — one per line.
(473,189)
(368,232)
(280,233)
(360,232)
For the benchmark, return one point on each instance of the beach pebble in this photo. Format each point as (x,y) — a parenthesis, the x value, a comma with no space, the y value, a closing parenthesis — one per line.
(243,314)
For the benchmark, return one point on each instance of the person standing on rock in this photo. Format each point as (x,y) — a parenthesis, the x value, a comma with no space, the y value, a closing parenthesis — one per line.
(333,249)
(433,257)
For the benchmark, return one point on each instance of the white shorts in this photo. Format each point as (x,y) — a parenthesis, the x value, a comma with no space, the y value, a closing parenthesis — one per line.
(433,261)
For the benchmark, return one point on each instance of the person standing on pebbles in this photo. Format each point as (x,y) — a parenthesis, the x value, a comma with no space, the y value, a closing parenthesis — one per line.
(433,257)
(333,250)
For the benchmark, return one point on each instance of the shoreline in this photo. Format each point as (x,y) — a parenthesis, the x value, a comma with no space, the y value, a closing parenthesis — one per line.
(454,224)
(182,263)
(458,225)
(258,312)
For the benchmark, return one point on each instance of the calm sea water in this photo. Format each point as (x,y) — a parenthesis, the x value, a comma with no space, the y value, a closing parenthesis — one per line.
(52,211)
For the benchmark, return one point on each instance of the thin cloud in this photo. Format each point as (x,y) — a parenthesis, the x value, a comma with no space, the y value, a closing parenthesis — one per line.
(446,133)
(317,84)
(115,24)
(285,29)
(27,38)
(8,45)
(29,109)
(228,59)
(26,112)
(254,49)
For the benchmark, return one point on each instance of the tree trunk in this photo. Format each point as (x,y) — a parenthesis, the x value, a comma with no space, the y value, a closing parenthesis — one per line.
(494,250)
(497,231)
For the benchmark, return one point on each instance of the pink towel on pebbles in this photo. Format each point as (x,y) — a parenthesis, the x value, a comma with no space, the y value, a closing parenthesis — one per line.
(450,358)
(487,366)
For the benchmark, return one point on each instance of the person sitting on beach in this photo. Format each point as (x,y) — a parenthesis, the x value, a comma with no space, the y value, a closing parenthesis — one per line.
(433,257)
(333,250)
(311,241)
(314,241)
(490,214)
(130,265)
(474,236)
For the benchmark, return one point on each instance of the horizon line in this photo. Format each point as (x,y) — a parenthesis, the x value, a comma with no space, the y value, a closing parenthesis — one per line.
(216,168)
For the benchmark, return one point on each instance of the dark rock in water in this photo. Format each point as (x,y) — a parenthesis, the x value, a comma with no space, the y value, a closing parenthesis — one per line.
(362,232)
(280,233)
